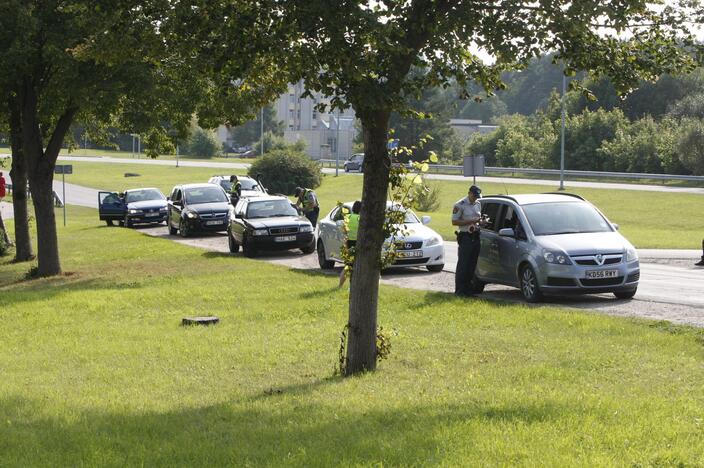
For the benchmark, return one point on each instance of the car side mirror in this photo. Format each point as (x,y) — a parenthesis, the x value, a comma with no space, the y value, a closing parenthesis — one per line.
(425,219)
(615,226)
(168,198)
(507,232)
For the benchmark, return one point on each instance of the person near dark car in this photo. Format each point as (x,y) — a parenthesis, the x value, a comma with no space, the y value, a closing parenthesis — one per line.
(467,215)
(352,227)
(307,200)
(235,190)
(701,262)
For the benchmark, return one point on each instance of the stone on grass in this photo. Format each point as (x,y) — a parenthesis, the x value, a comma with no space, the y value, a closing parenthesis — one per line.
(199,320)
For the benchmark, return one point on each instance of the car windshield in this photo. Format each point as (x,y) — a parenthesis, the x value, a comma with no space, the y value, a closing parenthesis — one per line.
(547,219)
(270,209)
(143,195)
(409,217)
(198,195)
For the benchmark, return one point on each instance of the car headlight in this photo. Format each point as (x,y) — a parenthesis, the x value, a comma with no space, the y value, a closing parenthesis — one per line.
(631,255)
(191,214)
(163,210)
(435,240)
(260,232)
(558,258)
(306,228)
(135,211)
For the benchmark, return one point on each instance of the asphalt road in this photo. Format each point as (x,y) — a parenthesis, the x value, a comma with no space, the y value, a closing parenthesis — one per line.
(671,288)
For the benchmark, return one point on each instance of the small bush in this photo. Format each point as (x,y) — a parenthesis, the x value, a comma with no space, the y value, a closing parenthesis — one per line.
(426,198)
(202,144)
(284,170)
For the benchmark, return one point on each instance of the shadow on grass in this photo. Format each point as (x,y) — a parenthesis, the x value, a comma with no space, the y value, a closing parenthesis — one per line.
(282,431)
(41,289)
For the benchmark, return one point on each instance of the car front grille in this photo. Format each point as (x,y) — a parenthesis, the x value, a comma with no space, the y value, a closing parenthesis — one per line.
(633,277)
(411,261)
(212,215)
(409,245)
(602,281)
(591,260)
(283,230)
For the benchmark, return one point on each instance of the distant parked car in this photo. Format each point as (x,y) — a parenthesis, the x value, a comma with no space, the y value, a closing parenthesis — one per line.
(419,245)
(135,206)
(354,163)
(554,244)
(269,223)
(250,187)
(197,208)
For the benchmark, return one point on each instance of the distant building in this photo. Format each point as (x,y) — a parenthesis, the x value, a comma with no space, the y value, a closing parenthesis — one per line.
(465,128)
(326,134)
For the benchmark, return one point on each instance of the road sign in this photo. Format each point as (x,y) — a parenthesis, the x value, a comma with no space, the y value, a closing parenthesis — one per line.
(63,169)
(474,166)
(392,144)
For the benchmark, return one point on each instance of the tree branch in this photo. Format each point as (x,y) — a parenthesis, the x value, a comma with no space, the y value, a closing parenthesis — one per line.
(57,137)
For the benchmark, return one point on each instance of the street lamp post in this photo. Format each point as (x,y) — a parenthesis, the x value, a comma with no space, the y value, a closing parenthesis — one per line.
(337,144)
(562,136)
(261,134)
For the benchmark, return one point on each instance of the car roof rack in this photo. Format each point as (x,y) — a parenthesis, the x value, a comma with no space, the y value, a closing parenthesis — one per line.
(567,194)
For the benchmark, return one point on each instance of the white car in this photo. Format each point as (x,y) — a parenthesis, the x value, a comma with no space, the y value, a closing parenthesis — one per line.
(416,244)
(250,187)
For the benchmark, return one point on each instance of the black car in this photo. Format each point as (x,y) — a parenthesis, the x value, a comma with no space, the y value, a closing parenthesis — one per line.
(136,206)
(269,223)
(197,208)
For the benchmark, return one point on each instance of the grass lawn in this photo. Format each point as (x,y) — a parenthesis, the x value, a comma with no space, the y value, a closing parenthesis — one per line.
(647,219)
(96,370)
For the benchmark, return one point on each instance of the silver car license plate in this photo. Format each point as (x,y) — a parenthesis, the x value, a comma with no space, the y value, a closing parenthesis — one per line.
(410,253)
(599,274)
(213,223)
(284,238)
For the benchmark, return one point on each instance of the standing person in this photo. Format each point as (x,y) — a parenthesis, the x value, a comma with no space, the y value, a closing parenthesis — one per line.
(466,214)
(699,263)
(3,187)
(235,190)
(308,202)
(352,224)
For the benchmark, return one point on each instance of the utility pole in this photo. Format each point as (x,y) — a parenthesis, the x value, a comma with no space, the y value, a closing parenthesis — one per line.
(261,134)
(562,136)
(337,144)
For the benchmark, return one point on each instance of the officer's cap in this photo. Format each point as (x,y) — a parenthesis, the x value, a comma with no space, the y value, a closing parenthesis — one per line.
(475,190)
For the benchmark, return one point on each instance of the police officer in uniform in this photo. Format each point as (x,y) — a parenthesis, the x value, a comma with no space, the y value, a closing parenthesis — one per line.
(307,200)
(467,214)
(235,190)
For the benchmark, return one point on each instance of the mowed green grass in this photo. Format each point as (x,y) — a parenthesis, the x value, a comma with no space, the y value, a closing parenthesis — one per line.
(97,371)
(648,219)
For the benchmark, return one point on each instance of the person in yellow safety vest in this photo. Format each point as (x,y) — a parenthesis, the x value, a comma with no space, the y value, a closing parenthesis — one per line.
(235,190)
(352,223)
(307,200)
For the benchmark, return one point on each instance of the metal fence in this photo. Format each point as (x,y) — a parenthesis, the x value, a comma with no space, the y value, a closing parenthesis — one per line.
(518,171)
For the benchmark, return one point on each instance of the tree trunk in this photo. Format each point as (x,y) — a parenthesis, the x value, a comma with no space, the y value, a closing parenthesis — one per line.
(364,287)
(18,174)
(40,169)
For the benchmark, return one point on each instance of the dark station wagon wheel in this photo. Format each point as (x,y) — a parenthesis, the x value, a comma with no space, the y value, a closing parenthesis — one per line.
(247,248)
(172,230)
(234,246)
(435,268)
(625,294)
(183,229)
(108,222)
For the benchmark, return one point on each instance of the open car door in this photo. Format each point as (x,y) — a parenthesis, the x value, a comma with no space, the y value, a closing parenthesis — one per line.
(111,207)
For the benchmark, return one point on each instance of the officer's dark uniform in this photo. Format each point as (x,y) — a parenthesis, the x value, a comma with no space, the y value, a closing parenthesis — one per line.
(467,242)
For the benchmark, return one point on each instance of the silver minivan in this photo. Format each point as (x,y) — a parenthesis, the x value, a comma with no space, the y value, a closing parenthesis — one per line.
(553,243)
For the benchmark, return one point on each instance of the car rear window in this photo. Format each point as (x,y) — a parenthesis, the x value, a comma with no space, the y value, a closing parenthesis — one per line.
(547,219)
